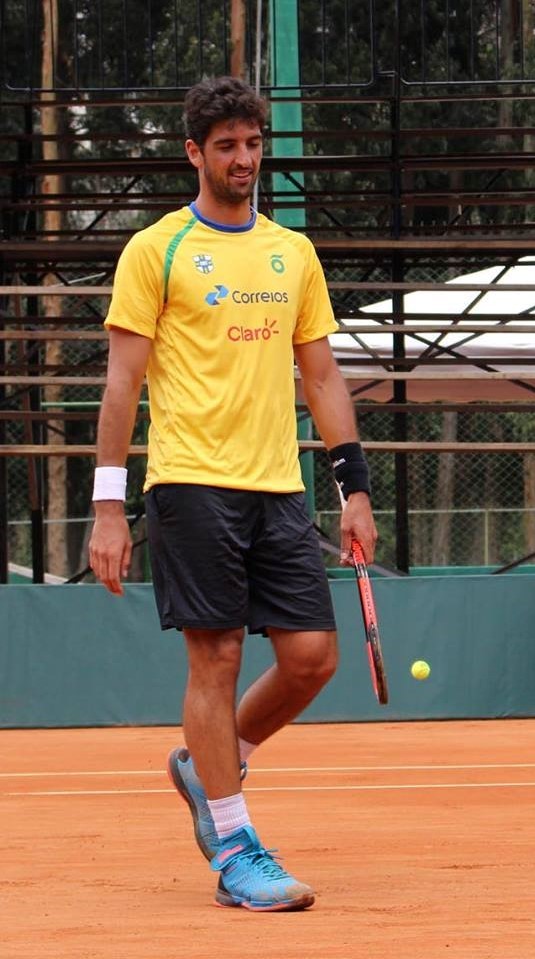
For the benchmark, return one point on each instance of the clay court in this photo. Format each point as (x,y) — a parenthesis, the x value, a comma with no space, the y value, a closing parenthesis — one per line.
(418,838)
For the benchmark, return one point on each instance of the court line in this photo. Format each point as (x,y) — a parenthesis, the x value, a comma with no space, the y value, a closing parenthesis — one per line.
(268,769)
(266,789)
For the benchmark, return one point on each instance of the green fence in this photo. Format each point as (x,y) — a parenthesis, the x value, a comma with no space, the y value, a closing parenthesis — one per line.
(77,656)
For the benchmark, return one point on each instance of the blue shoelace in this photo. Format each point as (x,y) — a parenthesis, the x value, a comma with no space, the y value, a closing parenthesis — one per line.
(265,862)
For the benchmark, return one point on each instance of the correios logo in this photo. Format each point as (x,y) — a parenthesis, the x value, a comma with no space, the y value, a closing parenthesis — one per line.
(259,296)
(216,295)
(245,297)
(248,334)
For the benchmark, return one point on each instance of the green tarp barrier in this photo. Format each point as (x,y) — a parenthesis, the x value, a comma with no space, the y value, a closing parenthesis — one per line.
(77,656)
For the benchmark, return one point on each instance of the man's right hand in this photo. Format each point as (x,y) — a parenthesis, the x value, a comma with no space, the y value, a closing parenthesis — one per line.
(110,546)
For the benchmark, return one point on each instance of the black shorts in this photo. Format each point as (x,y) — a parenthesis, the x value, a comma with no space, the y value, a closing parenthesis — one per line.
(226,558)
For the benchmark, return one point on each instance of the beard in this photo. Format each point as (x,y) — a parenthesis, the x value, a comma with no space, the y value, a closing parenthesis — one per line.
(226,192)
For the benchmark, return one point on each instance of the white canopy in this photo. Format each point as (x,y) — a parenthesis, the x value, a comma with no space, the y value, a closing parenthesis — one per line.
(462,381)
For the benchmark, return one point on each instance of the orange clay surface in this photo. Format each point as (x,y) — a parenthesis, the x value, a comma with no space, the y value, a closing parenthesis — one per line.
(417,837)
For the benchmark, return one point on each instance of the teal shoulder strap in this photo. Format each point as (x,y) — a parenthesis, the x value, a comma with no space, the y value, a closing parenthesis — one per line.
(170,252)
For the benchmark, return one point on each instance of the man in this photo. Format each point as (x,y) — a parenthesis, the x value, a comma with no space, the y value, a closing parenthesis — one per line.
(212,303)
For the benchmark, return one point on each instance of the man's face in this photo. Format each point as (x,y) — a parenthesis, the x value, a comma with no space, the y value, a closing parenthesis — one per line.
(229,161)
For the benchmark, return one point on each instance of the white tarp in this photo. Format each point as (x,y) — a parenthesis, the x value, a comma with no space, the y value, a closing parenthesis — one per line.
(453,382)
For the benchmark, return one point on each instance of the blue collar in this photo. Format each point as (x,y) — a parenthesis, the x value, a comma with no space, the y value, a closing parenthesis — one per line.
(224,227)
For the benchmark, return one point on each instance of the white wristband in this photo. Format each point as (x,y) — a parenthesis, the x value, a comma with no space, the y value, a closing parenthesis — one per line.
(110,483)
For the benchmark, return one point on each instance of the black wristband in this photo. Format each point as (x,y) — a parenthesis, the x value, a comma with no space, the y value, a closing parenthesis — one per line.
(350,469)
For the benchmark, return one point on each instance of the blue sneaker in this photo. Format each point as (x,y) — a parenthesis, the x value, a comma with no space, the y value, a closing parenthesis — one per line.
(184,778)
(250,877)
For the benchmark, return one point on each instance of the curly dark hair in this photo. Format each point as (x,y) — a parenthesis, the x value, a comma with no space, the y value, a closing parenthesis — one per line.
(223,98)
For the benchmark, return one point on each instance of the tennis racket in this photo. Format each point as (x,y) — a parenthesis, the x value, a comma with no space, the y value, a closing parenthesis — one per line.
(373,643)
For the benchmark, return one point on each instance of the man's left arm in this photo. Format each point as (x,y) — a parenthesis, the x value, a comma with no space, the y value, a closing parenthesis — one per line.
(330,404)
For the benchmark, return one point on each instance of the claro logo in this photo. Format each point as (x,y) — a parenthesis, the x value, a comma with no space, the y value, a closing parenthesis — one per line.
(248,334)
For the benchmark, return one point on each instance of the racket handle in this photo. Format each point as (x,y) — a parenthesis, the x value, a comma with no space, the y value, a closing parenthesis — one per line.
(357,552)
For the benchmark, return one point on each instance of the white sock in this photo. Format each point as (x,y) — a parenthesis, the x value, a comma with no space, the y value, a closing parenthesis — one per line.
(229,814)
(245,749)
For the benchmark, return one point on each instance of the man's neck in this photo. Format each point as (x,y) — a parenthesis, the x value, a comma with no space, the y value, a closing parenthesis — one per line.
(225,213)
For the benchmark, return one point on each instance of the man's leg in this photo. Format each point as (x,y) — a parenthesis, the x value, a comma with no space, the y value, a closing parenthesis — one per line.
(288,586)
(208,770)
(209,715)
(249,876)
(305,662)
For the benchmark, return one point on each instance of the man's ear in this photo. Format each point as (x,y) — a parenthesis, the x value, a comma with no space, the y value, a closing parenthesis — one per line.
(194,153)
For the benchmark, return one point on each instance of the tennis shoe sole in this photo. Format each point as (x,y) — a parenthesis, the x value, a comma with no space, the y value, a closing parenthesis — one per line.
(223,898)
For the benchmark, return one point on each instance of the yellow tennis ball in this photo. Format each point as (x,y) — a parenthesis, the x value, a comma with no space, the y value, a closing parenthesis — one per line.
(420,669)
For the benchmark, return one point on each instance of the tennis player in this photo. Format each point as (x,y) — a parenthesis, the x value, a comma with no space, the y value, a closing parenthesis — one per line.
(213,303)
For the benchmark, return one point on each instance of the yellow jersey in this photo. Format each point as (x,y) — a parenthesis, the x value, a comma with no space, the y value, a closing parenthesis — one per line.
(224,307)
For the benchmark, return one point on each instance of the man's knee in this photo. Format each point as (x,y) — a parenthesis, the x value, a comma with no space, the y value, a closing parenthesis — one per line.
(212,651)
(309,659)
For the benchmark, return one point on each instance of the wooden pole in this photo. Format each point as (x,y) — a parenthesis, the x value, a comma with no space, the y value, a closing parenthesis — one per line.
(237,38)
(56,467)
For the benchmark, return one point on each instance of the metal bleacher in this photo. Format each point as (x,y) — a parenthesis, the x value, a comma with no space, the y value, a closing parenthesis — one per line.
(411,170)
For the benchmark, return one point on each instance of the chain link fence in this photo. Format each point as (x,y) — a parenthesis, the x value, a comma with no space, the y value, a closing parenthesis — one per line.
(465,509)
